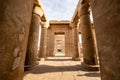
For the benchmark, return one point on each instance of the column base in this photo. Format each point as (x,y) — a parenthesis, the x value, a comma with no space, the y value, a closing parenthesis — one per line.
(76,59)
(41,59)
(90,67)
(30,67)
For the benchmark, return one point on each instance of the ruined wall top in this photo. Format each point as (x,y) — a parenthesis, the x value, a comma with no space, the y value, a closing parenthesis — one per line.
(64,23)
(59,22)
(78,9)
(75,14)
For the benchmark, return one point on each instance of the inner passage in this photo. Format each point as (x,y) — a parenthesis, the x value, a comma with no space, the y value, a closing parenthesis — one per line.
(59,49)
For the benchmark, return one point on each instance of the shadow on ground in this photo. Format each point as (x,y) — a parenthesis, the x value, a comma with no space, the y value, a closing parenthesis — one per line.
(91,74)
(48,69)
(70,59)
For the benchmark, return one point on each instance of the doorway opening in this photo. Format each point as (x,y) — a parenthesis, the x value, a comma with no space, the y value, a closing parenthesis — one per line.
(59,43)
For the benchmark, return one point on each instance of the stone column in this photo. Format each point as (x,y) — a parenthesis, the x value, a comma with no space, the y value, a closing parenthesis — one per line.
(32,49)
(52,39)
(50,42)
(106,16)
(43,43)
(89,53)
(15,17)
(70,42)
(76,55)
(68,52)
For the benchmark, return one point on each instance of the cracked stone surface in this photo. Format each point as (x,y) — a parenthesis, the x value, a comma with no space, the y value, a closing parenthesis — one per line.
(60,68)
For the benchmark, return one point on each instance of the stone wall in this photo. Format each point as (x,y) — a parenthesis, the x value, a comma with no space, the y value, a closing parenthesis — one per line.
(60,28)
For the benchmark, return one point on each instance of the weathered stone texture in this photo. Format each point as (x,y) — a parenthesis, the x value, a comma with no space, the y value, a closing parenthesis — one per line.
(107,25)
(76,55)
(87,36)
(32,49)
(50,43)
(15,17)
(95,42)
(59,43)
(60,28)
(68,43)
(43,45)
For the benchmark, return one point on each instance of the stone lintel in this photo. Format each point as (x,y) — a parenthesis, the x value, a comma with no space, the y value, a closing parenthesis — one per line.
(76,10)
(59,22)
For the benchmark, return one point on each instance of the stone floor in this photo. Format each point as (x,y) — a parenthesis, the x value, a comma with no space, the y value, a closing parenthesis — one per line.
(60,68)
(60,54)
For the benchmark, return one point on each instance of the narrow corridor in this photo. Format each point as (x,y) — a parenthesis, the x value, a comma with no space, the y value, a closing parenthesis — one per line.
(60,68)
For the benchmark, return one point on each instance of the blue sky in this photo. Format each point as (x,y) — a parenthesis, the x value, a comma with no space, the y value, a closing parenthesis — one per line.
(59,9)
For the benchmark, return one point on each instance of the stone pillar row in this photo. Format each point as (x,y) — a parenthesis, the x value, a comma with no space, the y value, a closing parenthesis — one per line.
(32,48)
(89,53)
(50,43)
(43,44)
(76,55)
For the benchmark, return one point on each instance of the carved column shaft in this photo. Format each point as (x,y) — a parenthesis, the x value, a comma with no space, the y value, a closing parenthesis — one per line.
(89,53)
(43,45)
(106,16)
(15,18)
(32,49)
(75,43)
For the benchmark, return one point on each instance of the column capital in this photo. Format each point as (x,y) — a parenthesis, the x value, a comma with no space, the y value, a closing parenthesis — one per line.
(84,9)
(44,24)
(38,9)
